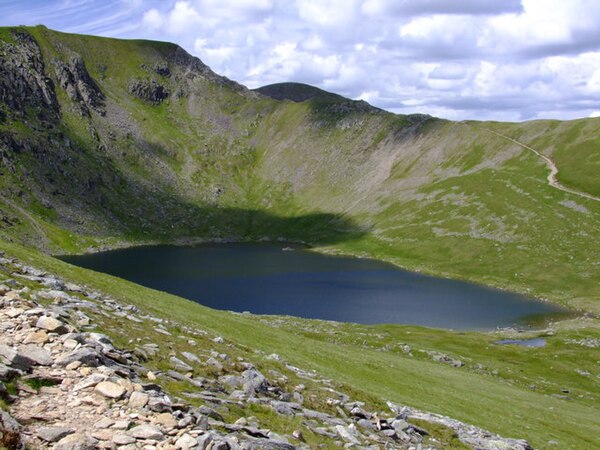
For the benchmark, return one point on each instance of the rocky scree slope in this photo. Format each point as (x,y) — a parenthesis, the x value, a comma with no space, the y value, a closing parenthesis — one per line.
(66,386)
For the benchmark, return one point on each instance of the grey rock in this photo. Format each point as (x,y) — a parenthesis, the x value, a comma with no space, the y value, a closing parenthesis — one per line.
(148,90)
(8,373)
(84,355)
(265,444)
(38,355)
(103,423)
(366,424)
(123,439)
(110,389)
(10,430)
(215,363)
(204,441)
(178,364)
(76,441)
(399,424)
(349,434)
(220,445)
(190,357)
(159,404)
(74,78)
(10,357)
(51,324)
(231,380)
(147,432)
(53,434)
(254,382)
(90,381)
(186,442)
(100,339)
(138,399)
(285,408)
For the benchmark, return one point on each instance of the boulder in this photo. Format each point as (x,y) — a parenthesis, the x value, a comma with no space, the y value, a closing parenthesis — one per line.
(166,420)
(76,441)
(51,324)
(190,357)
(186,442)
(37,337)
(204,441)
(84,355)
(53,434)
(110,389)
(123,439)
(264,444)
(38,355)
(254,382)
(180,365)
(138,400)
(9,357)
(147,432)
(348,434)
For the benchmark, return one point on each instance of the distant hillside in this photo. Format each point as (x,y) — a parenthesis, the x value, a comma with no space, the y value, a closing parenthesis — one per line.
(106,142)
(296,92)
(300,92)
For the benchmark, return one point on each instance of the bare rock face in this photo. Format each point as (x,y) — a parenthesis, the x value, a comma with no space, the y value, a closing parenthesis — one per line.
(74,78)
(23,83)
(148,90)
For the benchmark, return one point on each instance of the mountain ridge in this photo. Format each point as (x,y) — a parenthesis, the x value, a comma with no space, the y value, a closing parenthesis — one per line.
(107,141)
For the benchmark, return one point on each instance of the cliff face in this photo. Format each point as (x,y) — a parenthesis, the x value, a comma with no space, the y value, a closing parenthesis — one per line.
(104,140)
(23,80)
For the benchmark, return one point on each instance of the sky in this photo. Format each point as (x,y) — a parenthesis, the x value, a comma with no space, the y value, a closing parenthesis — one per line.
(510,60)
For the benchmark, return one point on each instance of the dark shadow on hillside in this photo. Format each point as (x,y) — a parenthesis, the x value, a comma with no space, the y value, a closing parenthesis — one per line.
(213,222)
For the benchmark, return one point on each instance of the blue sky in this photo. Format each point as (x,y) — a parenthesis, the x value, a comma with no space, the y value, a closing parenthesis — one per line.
(459,59)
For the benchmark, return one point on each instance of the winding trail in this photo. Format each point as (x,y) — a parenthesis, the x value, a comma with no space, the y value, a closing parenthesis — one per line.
(36,227)
(552,179)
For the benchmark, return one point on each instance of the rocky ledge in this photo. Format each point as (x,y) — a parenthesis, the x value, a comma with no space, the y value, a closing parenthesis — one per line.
(66,386)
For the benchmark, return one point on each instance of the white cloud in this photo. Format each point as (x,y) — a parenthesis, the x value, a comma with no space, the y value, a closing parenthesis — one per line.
(501,59)
(153,19)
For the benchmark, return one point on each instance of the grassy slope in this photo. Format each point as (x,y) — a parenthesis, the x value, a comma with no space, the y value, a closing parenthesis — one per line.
(503,403)
(444,198)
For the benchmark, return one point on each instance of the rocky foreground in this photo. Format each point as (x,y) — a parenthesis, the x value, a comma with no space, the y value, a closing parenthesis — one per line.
(65,386)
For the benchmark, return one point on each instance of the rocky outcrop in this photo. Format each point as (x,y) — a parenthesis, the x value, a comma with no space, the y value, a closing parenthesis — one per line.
(75,389)
(148,90)
(23,83)
(74,78)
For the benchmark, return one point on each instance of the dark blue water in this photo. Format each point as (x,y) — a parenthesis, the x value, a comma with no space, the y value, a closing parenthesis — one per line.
(265,279)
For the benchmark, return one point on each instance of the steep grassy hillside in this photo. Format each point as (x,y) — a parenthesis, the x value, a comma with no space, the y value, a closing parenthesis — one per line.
(106,141)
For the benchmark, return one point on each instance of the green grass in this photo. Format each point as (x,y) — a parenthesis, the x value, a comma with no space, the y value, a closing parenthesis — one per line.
(448,199)
(502,403)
